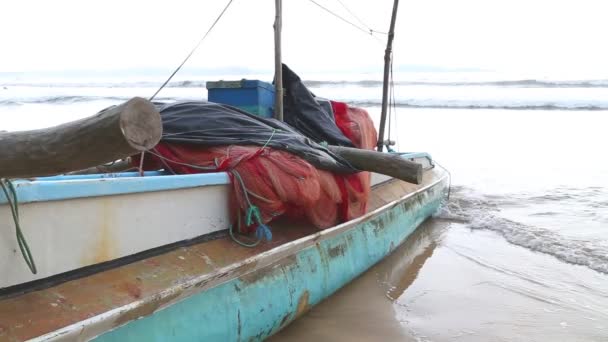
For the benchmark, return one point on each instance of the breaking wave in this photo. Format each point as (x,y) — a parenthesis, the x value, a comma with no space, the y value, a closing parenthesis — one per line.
(525,83)
(70,100)
(489,104)
(412,103)
(479,212)
(530,83)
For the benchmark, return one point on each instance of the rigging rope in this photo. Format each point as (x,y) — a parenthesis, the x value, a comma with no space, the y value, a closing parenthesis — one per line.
(390,102)
(359,20)
(142,155)
(392,105)
(193,50)
(13,203)
(370,33)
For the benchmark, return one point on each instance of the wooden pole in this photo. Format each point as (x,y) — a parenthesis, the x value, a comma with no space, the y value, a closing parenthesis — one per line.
(389,164)
(112,134)
(278,68)
(387,63)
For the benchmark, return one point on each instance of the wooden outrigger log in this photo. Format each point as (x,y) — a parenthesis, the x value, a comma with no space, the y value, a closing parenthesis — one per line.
(112,134)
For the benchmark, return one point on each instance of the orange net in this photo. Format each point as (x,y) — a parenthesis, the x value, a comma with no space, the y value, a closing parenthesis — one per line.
(278,182)
(356,124)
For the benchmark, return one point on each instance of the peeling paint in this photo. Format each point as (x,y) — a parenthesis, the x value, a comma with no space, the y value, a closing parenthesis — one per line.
(238,317)
(336,251)
(253,277)
(145,309)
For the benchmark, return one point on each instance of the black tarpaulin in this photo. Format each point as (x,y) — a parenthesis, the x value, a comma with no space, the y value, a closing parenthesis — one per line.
(212,124)
(305,114)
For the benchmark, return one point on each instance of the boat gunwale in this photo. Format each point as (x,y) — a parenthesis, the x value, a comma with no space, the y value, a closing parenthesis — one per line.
(89,186)
(65,187)
(104,322)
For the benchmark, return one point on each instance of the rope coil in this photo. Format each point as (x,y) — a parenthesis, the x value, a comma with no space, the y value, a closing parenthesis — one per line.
(11,196)
(253,214)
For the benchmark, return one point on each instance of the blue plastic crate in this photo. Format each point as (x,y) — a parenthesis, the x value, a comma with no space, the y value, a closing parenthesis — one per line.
(253,96)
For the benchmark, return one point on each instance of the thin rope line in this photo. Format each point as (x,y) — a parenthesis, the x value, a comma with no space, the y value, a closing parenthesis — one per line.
(392,101)
(358,19)
(390,107)
(193,50)
(194,166)
(199,167)
(398,141)
(143,155)
(369,33)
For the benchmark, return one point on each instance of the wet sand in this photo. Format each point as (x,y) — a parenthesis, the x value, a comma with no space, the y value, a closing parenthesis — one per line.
(363,310)
(448,283)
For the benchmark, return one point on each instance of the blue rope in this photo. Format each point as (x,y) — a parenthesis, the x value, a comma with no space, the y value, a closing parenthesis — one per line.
(253,214)
(263,232)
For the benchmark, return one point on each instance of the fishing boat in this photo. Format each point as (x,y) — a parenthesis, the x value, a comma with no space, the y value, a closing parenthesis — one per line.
(138,256)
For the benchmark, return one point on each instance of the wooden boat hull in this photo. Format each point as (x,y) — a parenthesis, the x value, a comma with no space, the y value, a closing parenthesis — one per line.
(270,290)
(216,290)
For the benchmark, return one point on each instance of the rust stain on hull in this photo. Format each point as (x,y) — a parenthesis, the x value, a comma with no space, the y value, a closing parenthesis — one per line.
(106,246)
(133,288)
(303,305)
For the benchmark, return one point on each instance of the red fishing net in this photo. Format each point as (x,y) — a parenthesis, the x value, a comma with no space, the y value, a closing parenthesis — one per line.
(356,124)
(277,182)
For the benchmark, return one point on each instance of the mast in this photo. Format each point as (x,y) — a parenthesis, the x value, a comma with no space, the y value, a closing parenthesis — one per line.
(278,69)
(387,63)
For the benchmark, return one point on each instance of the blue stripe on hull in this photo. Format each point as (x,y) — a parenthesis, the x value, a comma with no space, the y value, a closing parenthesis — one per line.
(82,186)
(258,304)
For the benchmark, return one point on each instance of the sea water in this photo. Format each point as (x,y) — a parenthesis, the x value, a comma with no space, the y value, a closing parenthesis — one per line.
(519,253)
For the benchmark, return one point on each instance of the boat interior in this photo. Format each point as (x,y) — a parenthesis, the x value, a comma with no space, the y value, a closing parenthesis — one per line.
(154,277)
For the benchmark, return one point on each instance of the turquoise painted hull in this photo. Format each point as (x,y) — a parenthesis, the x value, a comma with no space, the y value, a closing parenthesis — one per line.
(258,304)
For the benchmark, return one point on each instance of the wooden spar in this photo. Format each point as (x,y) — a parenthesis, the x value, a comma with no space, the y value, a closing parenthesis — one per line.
(112,134)
(387,62)
(278,68)
(389,164)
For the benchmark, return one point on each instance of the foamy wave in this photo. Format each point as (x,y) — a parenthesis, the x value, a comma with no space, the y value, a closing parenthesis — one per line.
(414,103)
(70,100)
(530,83)
(477,212)
(512,105)
(524,83)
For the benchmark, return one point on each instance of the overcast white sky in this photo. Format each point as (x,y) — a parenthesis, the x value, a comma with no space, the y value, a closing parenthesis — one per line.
(553,36)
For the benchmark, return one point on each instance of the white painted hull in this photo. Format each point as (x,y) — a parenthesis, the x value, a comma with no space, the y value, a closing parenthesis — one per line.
(95,220)
(65,235)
